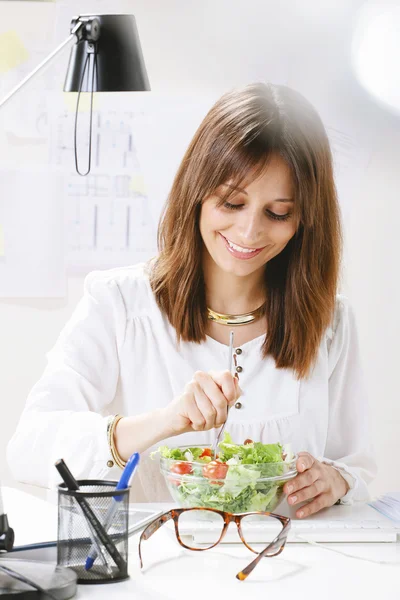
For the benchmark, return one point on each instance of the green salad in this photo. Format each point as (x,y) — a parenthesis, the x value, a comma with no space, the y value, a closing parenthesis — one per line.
(238,479)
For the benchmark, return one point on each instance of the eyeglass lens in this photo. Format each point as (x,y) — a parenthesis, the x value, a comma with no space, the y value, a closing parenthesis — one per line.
(203,529)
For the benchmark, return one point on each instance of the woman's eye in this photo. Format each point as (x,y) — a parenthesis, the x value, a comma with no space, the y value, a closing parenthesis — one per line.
(232,206)
(269,213)
(273,215)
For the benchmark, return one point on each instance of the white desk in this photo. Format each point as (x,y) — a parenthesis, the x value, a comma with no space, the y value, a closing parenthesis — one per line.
(171,573)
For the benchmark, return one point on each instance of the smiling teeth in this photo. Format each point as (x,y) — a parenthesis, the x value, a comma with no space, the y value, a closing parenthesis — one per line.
(239,249)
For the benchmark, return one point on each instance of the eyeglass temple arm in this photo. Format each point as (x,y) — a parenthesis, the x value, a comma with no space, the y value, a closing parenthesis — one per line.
(152,528)
(278,542)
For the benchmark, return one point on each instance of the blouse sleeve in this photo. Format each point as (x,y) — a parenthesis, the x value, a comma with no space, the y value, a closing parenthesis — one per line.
(349,447)
(62,416)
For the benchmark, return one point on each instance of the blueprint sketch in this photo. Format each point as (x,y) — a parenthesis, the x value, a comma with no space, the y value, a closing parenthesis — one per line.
(107,216)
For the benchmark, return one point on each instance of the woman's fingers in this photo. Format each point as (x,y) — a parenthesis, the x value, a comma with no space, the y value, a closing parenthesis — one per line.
(306,493)
(305,461)
(210,400)
(228,385)
(194,414)
(301,481)
(320,502)
(306,475)
(206,408)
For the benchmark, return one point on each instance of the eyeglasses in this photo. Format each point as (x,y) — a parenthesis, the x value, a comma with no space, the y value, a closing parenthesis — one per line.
(210,526)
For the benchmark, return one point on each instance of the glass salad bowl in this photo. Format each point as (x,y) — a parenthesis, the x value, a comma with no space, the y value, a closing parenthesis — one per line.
(236,484)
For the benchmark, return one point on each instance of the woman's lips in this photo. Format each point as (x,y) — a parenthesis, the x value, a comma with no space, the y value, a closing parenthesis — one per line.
(237,253)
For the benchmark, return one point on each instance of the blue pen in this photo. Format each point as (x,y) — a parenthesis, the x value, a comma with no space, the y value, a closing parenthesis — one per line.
(122,484)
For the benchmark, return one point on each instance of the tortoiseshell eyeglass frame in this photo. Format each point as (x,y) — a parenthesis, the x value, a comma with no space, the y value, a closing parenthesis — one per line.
(273,549)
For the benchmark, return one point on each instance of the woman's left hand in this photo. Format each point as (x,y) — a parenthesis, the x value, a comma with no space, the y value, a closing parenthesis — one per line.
(316,481)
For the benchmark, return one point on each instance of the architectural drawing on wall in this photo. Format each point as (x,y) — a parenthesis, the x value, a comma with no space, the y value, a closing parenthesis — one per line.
(107,216)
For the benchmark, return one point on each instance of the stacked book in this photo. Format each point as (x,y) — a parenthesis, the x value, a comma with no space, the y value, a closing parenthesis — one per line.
(388,505)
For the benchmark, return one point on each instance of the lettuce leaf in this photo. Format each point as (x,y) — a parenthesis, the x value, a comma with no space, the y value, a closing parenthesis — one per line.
(249,454)
(237,478)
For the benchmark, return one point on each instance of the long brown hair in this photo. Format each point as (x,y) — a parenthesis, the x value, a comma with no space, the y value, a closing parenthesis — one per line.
(238,136)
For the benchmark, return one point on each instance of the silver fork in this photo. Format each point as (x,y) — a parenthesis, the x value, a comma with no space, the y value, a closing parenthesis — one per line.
(222,428)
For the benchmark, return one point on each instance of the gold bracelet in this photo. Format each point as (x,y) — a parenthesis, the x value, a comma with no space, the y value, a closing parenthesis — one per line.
(111,441)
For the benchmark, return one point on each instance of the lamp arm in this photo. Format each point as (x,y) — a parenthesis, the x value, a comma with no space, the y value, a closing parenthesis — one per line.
(78,26)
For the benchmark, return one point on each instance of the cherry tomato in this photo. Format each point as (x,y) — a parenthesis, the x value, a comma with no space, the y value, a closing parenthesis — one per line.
(215,469)
(180,468)
(206,452)
(248,441)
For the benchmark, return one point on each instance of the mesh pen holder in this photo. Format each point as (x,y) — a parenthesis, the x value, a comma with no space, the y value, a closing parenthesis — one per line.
(76,532)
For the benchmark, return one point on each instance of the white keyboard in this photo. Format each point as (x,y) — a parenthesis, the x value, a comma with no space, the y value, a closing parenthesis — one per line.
(368,530)
(340,523)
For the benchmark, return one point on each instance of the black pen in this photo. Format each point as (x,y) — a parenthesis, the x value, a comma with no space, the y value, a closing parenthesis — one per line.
(101,533)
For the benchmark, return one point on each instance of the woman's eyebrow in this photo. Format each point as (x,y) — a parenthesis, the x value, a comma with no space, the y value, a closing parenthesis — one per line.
(236,188)
(239,189)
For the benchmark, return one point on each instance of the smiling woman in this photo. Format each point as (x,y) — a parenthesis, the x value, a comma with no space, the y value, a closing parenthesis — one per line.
(253,213)
(250,235)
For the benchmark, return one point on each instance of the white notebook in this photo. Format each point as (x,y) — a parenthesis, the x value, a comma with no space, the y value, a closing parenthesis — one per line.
(388,505)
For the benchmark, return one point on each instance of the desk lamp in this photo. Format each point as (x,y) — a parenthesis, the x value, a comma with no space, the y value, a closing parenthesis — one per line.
(107,57)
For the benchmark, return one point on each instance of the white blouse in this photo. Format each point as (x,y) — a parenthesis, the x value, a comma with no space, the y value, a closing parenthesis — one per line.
(118,354)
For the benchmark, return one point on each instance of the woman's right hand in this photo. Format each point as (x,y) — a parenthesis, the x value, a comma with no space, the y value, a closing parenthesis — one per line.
(202,406)
(204,403)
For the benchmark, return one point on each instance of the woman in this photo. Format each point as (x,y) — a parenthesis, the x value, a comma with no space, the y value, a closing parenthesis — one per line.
(251,230)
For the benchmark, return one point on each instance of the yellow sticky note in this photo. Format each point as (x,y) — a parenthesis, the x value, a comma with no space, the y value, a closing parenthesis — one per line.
(1,241)
(71,98)
(137,184)
(12,51)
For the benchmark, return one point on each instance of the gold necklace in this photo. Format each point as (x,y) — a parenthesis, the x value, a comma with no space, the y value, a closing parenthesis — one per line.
(243,319)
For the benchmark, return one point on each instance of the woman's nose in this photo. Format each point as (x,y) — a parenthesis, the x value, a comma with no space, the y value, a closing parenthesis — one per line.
(251,230)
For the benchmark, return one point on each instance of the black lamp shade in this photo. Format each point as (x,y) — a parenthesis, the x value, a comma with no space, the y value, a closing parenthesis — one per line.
(120,67)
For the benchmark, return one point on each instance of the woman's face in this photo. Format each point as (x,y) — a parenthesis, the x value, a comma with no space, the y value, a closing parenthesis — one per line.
(243,234)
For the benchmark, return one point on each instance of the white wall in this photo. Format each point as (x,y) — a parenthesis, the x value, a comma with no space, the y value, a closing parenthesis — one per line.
(208,47)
